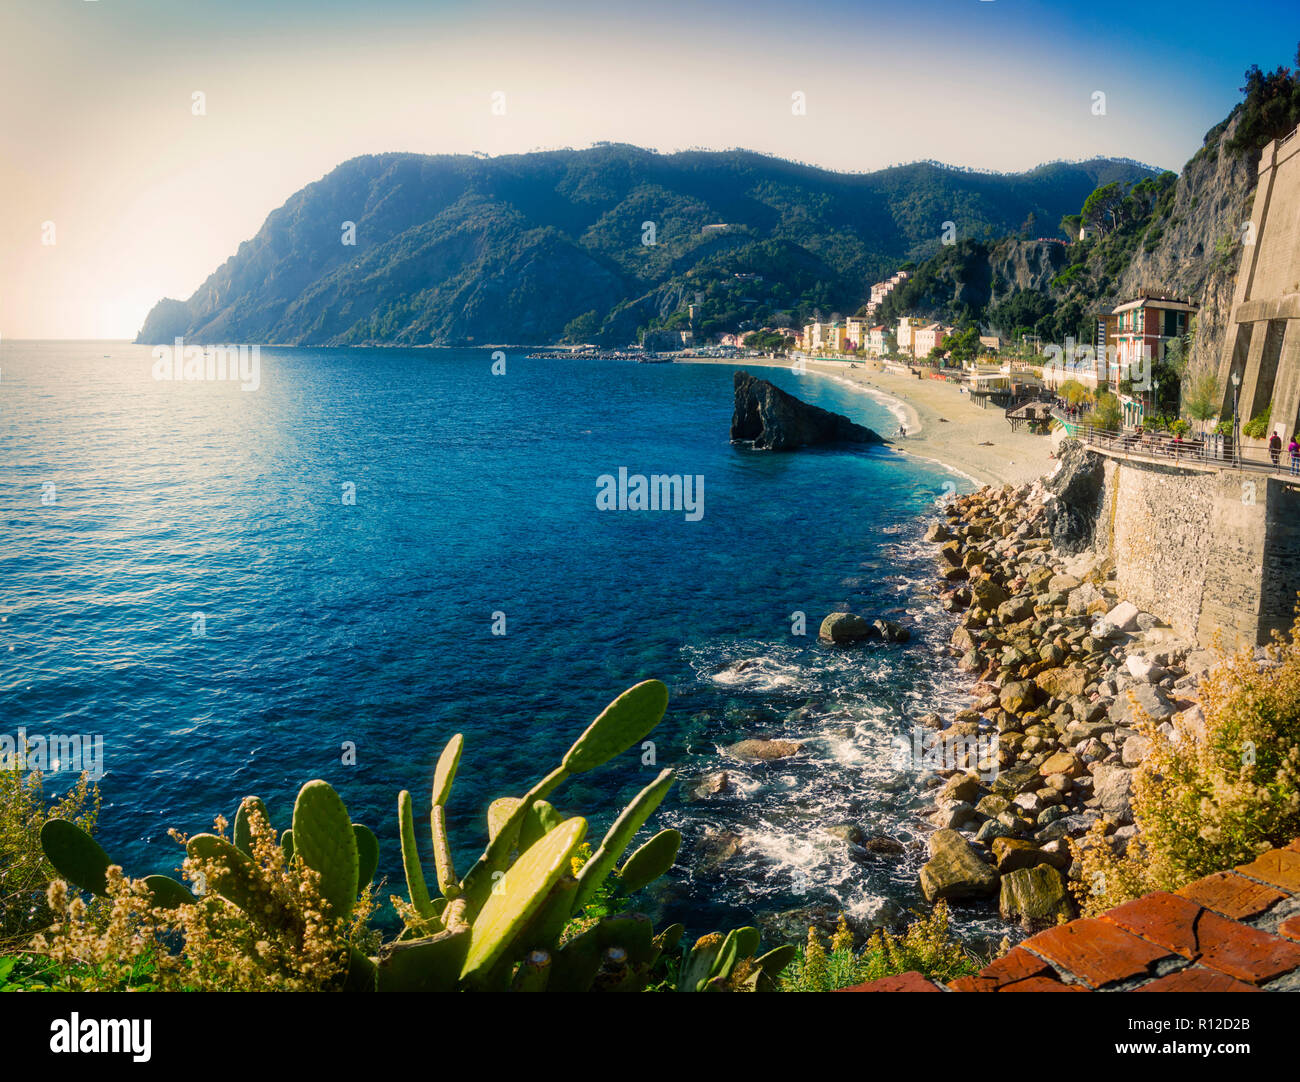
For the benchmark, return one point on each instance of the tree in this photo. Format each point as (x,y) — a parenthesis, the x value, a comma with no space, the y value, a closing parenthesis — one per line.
(1075,393)
(582,328)
(1106,413)
(1103,207)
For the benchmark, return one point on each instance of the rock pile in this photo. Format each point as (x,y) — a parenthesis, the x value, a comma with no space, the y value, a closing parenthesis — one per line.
(1064,671)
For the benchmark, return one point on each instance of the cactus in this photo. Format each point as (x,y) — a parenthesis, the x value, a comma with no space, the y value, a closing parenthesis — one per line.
(445,772)
(367,855)
(242,832)
(416,888)
(620,836)
(520,893)
(323,839)
(76,855)
(651,861)
(624,722)
(515,921)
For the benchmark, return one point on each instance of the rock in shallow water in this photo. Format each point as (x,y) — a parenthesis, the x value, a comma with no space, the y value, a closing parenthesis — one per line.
(764,750)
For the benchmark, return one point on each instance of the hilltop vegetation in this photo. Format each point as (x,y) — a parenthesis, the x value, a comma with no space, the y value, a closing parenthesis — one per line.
(454,250)
(1177,234)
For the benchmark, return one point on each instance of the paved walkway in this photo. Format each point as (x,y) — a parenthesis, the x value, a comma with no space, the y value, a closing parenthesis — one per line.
(1233,931)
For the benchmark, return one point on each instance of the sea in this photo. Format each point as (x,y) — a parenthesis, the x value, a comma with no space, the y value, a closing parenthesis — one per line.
(326,571)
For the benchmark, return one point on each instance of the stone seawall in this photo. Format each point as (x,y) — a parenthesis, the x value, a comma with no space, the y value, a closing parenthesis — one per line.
(1205,550)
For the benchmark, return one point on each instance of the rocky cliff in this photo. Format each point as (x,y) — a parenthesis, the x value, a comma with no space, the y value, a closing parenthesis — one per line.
(1197,253)
(769,419)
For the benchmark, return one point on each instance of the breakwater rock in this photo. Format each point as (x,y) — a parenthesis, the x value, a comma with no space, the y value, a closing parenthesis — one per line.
(769,419)
(1064,670)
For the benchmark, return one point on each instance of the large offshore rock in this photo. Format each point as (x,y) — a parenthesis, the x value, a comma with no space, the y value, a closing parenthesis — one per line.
(772,420)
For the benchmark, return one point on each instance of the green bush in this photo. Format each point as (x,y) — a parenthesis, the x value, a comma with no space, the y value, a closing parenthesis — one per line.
(25,873)
(1213,802)
(1257,427)
(927,947)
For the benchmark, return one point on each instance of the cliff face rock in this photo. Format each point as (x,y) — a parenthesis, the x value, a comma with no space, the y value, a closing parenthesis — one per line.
(1077,485)
(771,420)
(1200,249)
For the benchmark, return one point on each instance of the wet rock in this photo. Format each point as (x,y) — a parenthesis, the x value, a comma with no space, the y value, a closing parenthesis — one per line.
(716,848)
(890,631)
(717,783)
(846,627)
(937,531)
(764,750)
(881,845)
(955,870)
(1035,897)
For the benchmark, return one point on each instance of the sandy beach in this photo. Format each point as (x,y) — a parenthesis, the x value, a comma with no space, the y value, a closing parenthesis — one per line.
(943,423)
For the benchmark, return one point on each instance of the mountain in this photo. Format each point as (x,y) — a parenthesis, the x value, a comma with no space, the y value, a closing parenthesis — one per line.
(455,250)
(1178,235)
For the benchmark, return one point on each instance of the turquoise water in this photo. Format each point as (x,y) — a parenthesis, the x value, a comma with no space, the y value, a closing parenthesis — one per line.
(195,506)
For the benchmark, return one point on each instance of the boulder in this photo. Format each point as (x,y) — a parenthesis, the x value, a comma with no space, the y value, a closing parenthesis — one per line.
(937,531)
(764,750)
(1017,696)
(1149,699)
(1123,616)
(1144,669)
(1012,854)
(963,787)
(1112,791)
(1062,683)
(846,627)
(988,594)
(1035,897)
(955,870)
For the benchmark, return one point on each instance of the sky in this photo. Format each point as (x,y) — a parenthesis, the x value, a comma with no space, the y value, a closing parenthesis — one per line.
(117,189)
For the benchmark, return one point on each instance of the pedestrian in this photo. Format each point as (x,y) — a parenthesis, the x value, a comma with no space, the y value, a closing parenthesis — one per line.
(1274,447)
(1293,449)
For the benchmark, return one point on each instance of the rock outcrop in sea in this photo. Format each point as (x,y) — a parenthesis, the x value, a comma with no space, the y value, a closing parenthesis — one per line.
(769,419)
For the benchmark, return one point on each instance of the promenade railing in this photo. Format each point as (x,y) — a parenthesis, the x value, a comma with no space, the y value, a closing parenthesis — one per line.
(1217,453)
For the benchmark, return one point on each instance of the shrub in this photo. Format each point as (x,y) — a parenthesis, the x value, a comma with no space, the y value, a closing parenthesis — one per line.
(1106,413)
(1257,427)
(927,947)
(1202,805)
(25,874)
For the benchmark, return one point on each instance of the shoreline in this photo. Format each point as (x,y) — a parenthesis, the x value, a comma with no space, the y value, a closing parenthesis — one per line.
(943,425)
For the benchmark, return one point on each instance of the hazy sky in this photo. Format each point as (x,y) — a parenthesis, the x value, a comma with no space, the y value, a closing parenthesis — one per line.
(98,133)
